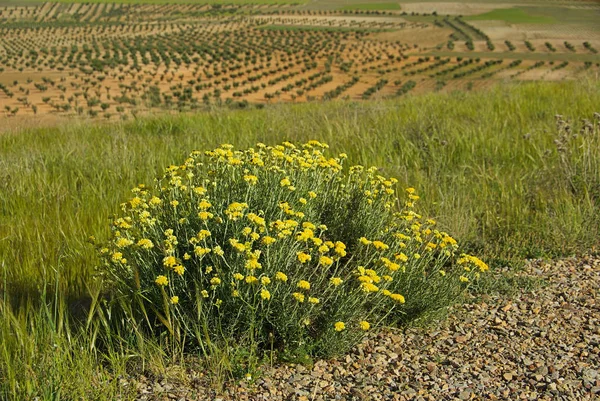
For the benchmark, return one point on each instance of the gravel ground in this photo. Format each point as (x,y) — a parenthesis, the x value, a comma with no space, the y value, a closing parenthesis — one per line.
(538,345)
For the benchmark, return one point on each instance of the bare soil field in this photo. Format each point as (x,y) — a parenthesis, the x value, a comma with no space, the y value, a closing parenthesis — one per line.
(118,60)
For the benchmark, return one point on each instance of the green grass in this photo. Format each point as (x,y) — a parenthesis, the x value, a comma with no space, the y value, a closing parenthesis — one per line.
(372,6)
(513,16)
(485,164)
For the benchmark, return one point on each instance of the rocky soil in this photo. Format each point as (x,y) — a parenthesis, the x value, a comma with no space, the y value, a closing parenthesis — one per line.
(540,344)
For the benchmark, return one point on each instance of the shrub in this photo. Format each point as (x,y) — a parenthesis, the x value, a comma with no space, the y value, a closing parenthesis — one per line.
(279,248)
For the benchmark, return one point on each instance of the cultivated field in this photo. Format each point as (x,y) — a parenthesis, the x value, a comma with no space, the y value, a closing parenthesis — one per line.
(114,60)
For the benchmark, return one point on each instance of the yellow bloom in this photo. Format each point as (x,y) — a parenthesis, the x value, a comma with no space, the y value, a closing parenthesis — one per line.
(117,256)
(265,280)
(145,243)
(380,246)
(205,215)
(335,281)
(203,234)
(238,276)
(217,250)
(174,300)
(251,279)
(364,241)
(368,287)
(161,281)
(303,257)
(199,191)
(123,242)
(323,249)
(417,256)
(339,326)
(410,190)
(313,300)
(464,279)
(281,276)
(215,281)
(253,264)
(186,256)
(268,240)
(364,325)
(204,293)
(325,261)
(443,273)
(302,201)
(398,298)
(285,182)
(179,269)
(299,297)
(174,203)
(235,293)
(265,294)
(312,194)
(340,248)
(199,251)
(401,257)
(304,285)
(155,201)
(387,293)
(251,179)
(169,261)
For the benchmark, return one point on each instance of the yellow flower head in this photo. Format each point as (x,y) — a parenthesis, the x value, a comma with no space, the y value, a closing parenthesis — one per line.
(335,281)
(174,300)
(463,279)
(265,294)
(364,241)
(251,279)
(268,240)
(304,285)
(179,269)
(281,276)
(251,179)
(299,297)
(313,300)
(303,257)
(264,280)
(339,326)
(364,325)
(325,261)
(380,246)
(398,298)
(215,280)
(161,281)
(238,276)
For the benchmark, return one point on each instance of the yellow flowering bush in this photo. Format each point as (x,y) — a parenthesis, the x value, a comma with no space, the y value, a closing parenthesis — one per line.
(280,246)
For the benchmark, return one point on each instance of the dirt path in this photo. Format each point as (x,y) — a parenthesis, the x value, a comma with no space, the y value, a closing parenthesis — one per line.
(542,344)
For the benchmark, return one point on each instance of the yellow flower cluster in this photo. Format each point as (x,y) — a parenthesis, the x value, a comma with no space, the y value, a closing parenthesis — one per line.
(243,230)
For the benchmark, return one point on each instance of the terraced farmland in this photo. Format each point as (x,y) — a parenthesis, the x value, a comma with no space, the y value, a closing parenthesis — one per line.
(111,61)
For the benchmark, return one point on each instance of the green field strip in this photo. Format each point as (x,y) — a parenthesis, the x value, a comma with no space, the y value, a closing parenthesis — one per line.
(513,16)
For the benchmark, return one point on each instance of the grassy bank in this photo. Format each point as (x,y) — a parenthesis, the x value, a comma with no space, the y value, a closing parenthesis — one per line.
(490,166)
